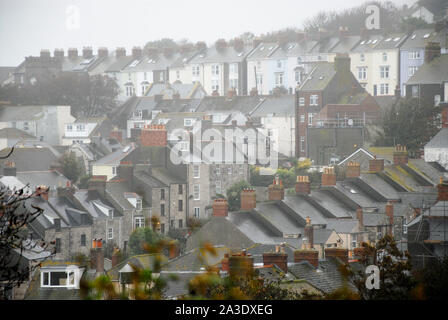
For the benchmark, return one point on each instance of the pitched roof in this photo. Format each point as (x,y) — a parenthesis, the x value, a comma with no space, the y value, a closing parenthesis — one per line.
(319,77)
(440,140)
(417,39)
(227,54)
(13,133)
(114,158)
(244,104)
(195,259)
(391,41)
(278,106)
(30,159)
(434,72)
(327,277)
(346,44)
(367,44)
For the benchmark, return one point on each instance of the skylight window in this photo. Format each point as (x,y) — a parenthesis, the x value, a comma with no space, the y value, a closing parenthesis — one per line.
(150,61)
(374,41)
(426,36)
(388,39)
(396,39)
(240,54)
(133,64)
(363,42)
(370,41)
(270,48)
(413,36)
(262,48)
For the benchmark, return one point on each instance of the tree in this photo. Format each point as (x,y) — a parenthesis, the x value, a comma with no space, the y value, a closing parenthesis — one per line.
(409,123)
(395,277)
(434,278)
(142,237)
(15,216)
(71,167)
(234,194)
(89,96)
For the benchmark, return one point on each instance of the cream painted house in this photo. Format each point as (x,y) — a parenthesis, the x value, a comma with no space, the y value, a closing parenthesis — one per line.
(107,166)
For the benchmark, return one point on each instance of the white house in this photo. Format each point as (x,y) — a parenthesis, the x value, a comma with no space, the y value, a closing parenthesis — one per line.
(107,166)
(80,131)
(47,123)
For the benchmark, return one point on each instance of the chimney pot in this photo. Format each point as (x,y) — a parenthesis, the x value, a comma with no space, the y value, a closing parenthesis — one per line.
(328,177)
(220,208)
(278,258)
(353,170)
(303,185)
(248,199)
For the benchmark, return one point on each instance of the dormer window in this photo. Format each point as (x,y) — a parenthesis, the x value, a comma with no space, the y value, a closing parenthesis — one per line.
(138,205)
(60,277)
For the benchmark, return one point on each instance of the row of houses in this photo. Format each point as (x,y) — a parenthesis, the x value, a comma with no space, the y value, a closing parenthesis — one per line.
(380,62)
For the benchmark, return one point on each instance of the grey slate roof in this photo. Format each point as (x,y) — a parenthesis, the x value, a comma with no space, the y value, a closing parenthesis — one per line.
(50,178)
(325,45)
(114,158)
(295,49)
(343,225)
(391,41)
(367,44)
(417,39)
(244,104)
(319,77)
(119,64)
(227,54)
(375,219)
(440,140)
(303,209)
(278,106)
(326,278)
(220,231)
(345,44)
(30,159)
(150,63)
(434,72)
(279,218)
(195,259)
(20,113)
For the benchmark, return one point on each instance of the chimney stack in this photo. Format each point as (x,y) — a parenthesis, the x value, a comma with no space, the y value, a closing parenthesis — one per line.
(342,63)
(390,215)
(231,93)
(353,170)
(276,191)
(309,234)
(45,53)
(360,217)
(120,52)
(115,257)
(58,54)
(253,92)
(154,135)
(176,95)
(215,93)
(310,255)
(432,50)
(241,265)
(278,258)
(328,177)
(97,255)
(103,52)
(444,114)
(136,52)
(117,134)
(442,188)
(220,208)
(340,253)
(248,199)
(376,165)
(303,185)
(87,52)
(72,53)
(400,155)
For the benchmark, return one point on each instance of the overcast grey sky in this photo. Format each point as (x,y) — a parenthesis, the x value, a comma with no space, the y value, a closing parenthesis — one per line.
(28,26)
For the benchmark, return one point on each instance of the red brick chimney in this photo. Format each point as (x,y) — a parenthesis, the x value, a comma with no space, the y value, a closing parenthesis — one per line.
(97,255)
(220,208)
(400,155)
(120,52)
(115,257)
(87,52)
(248,199)
(390,215)
(117,134)
(376,165)
(276,191)
(215,93)
(340,253)
(360,217)
(328,177)
(230,94)
(432,50)
(310,255)
(278,258)
(174,250)
(137,52)
(42,191)
(353,170)
(241,265)
(445,116)
(309,234)
(176,96)
(442,188)
(253,92)
(154,135)
(303,185)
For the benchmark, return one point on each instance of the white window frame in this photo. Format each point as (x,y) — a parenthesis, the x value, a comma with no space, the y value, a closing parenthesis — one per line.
(314,100)
(215,69)
(195,71)
(362,73)
(196,171)
(302,118)
(310,118)
(197,192)
(279,77)
(197,212)
(301,102)
(384,88)
(229,171)
(412,70)
(302,143)
(139,222)
(384,72)
(110,233)
(218,187)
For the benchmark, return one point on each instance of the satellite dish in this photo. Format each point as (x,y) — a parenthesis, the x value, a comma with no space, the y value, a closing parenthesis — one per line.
(350,122)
